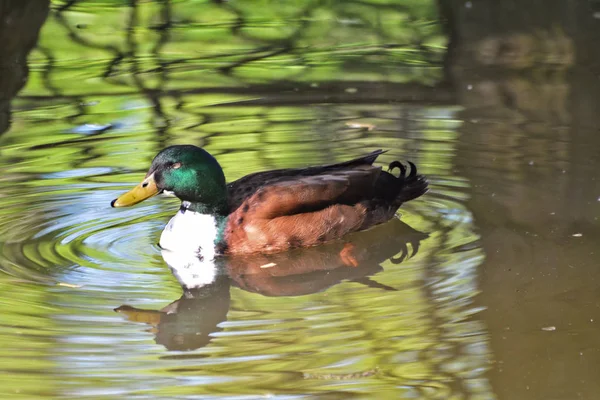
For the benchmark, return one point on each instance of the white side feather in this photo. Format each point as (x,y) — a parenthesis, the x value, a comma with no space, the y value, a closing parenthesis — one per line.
(191,232)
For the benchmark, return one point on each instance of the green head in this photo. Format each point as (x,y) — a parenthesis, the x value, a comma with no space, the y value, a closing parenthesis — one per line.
(187,171)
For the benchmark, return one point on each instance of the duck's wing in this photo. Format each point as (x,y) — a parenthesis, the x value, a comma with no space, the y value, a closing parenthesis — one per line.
(306,194)
(302,211)
(243,188)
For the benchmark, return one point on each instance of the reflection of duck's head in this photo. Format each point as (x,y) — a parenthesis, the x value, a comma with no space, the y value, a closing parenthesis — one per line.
(271,211)
(187,323)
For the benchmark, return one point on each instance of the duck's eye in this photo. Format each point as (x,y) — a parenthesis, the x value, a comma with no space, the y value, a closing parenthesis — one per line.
(176,165)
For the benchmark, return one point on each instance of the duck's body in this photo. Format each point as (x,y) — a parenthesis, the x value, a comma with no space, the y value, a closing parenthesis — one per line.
(271,211)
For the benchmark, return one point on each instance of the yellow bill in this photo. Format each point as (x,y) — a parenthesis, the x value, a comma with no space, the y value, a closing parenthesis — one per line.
(146,189)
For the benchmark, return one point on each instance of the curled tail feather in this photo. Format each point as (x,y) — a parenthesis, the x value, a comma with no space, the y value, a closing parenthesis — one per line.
(412,185)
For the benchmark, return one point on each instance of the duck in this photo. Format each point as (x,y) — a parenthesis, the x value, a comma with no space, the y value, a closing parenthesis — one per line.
(271,211)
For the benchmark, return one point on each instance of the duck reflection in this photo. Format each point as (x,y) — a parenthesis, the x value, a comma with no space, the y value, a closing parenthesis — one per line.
(188,322)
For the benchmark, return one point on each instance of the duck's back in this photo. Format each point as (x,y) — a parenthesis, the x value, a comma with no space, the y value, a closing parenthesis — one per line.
(286,208)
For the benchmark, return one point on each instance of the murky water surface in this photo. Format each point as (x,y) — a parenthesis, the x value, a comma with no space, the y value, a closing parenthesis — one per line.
(487,287)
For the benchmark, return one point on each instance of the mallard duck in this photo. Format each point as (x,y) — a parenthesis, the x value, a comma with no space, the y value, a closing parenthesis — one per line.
(270,211)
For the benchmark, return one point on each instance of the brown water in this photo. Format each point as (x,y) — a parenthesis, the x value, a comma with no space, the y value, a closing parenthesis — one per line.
(487,287)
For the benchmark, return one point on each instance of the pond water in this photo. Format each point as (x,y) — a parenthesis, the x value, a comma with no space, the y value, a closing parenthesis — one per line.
(487,287)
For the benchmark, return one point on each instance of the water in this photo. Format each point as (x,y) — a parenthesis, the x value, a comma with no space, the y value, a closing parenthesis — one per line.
(484,288)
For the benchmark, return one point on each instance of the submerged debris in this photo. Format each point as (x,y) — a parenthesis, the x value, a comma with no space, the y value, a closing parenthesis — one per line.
(69,285)
(360,125)
(91,129)
(342,377)
(549,328)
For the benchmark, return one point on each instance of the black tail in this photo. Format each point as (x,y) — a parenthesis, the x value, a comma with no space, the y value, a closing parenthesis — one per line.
(391,191)
(412,185)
